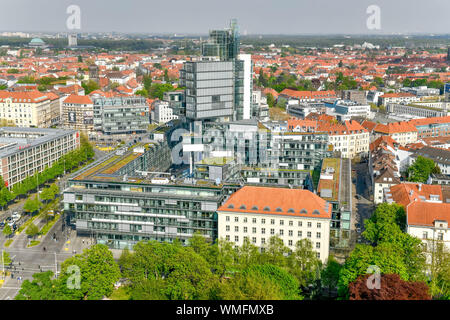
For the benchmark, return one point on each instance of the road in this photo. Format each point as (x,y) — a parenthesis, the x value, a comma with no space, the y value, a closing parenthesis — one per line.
(59,244)
(364,206)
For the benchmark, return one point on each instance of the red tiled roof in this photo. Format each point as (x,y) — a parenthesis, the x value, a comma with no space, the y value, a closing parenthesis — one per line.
(76,99)
(273,198)
(407,192)
(421,213)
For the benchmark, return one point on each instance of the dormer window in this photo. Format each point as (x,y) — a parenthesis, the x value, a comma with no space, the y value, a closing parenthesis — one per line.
(231,206)
(254,208)
(316,212)
(243,207)
(303,211)
(279,209)
(266,209)
(291,210)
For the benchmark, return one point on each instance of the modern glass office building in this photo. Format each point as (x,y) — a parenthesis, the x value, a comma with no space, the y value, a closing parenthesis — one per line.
(121,115)
(209,89)
(223,43)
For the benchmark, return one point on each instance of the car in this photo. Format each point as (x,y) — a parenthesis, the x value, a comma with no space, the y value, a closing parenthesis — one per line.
(358,230)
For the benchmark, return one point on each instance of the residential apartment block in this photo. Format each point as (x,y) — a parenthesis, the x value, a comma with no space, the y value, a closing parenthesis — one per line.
(30,108)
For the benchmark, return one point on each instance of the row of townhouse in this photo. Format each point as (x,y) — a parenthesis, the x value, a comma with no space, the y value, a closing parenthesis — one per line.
(349,138)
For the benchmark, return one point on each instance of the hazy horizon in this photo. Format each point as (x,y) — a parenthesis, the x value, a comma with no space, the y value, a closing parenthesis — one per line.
(196,18)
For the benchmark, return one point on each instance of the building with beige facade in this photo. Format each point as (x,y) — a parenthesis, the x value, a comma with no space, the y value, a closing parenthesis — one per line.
(259,213)
(30,108)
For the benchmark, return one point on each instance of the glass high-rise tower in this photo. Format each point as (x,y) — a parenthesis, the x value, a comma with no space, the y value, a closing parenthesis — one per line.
(223,43)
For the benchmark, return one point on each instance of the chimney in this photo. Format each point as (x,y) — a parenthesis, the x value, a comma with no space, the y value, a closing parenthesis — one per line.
(420,187)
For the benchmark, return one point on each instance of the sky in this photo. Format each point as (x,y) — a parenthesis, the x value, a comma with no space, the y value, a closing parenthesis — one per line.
(254,16)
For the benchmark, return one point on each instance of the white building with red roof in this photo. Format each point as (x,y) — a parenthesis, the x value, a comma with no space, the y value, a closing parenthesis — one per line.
(259,213)
(30,108)
(78,113)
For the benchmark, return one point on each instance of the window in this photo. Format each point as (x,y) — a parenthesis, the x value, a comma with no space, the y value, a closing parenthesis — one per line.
(272,221)
(263,230)
(318,255)
(231,206)
(425,235)
(236,219)
(279,209)
(319,224)
(440,236)
(245,229)
(317,245)
(243,207)
(290,233)
(254,239)
(253,230)
(318,235)
(299,223)
(254,220)
(281,232)
(281,222)
(308,234)
(263,221)
(290,242)
(299,234)
(254,208)
(291,223)
(227,228)
(236,229)
(266,209)
(309,224)
(272,231)
(263,240)
(227,237)
(227,218)
(236,238)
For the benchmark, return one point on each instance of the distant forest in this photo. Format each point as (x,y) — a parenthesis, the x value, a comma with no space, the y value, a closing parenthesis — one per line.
(186,45)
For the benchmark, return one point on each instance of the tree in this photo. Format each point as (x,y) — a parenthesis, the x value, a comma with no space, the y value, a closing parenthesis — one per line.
(184,273)
(392,287)
(270,100)
(32,230)
(142,92)
(90,86)
(287,283)
(439,267)
(392,251)
(7,230)
(43,287)
(303,263)
(5,257)
(330,274)
(249,286)
(31,205)
(275,252)
(98,272)
(421,169)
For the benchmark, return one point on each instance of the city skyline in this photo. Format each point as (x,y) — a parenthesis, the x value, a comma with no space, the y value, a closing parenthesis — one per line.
(287,18)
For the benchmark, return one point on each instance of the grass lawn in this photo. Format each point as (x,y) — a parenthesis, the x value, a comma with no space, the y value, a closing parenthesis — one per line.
(33,243)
